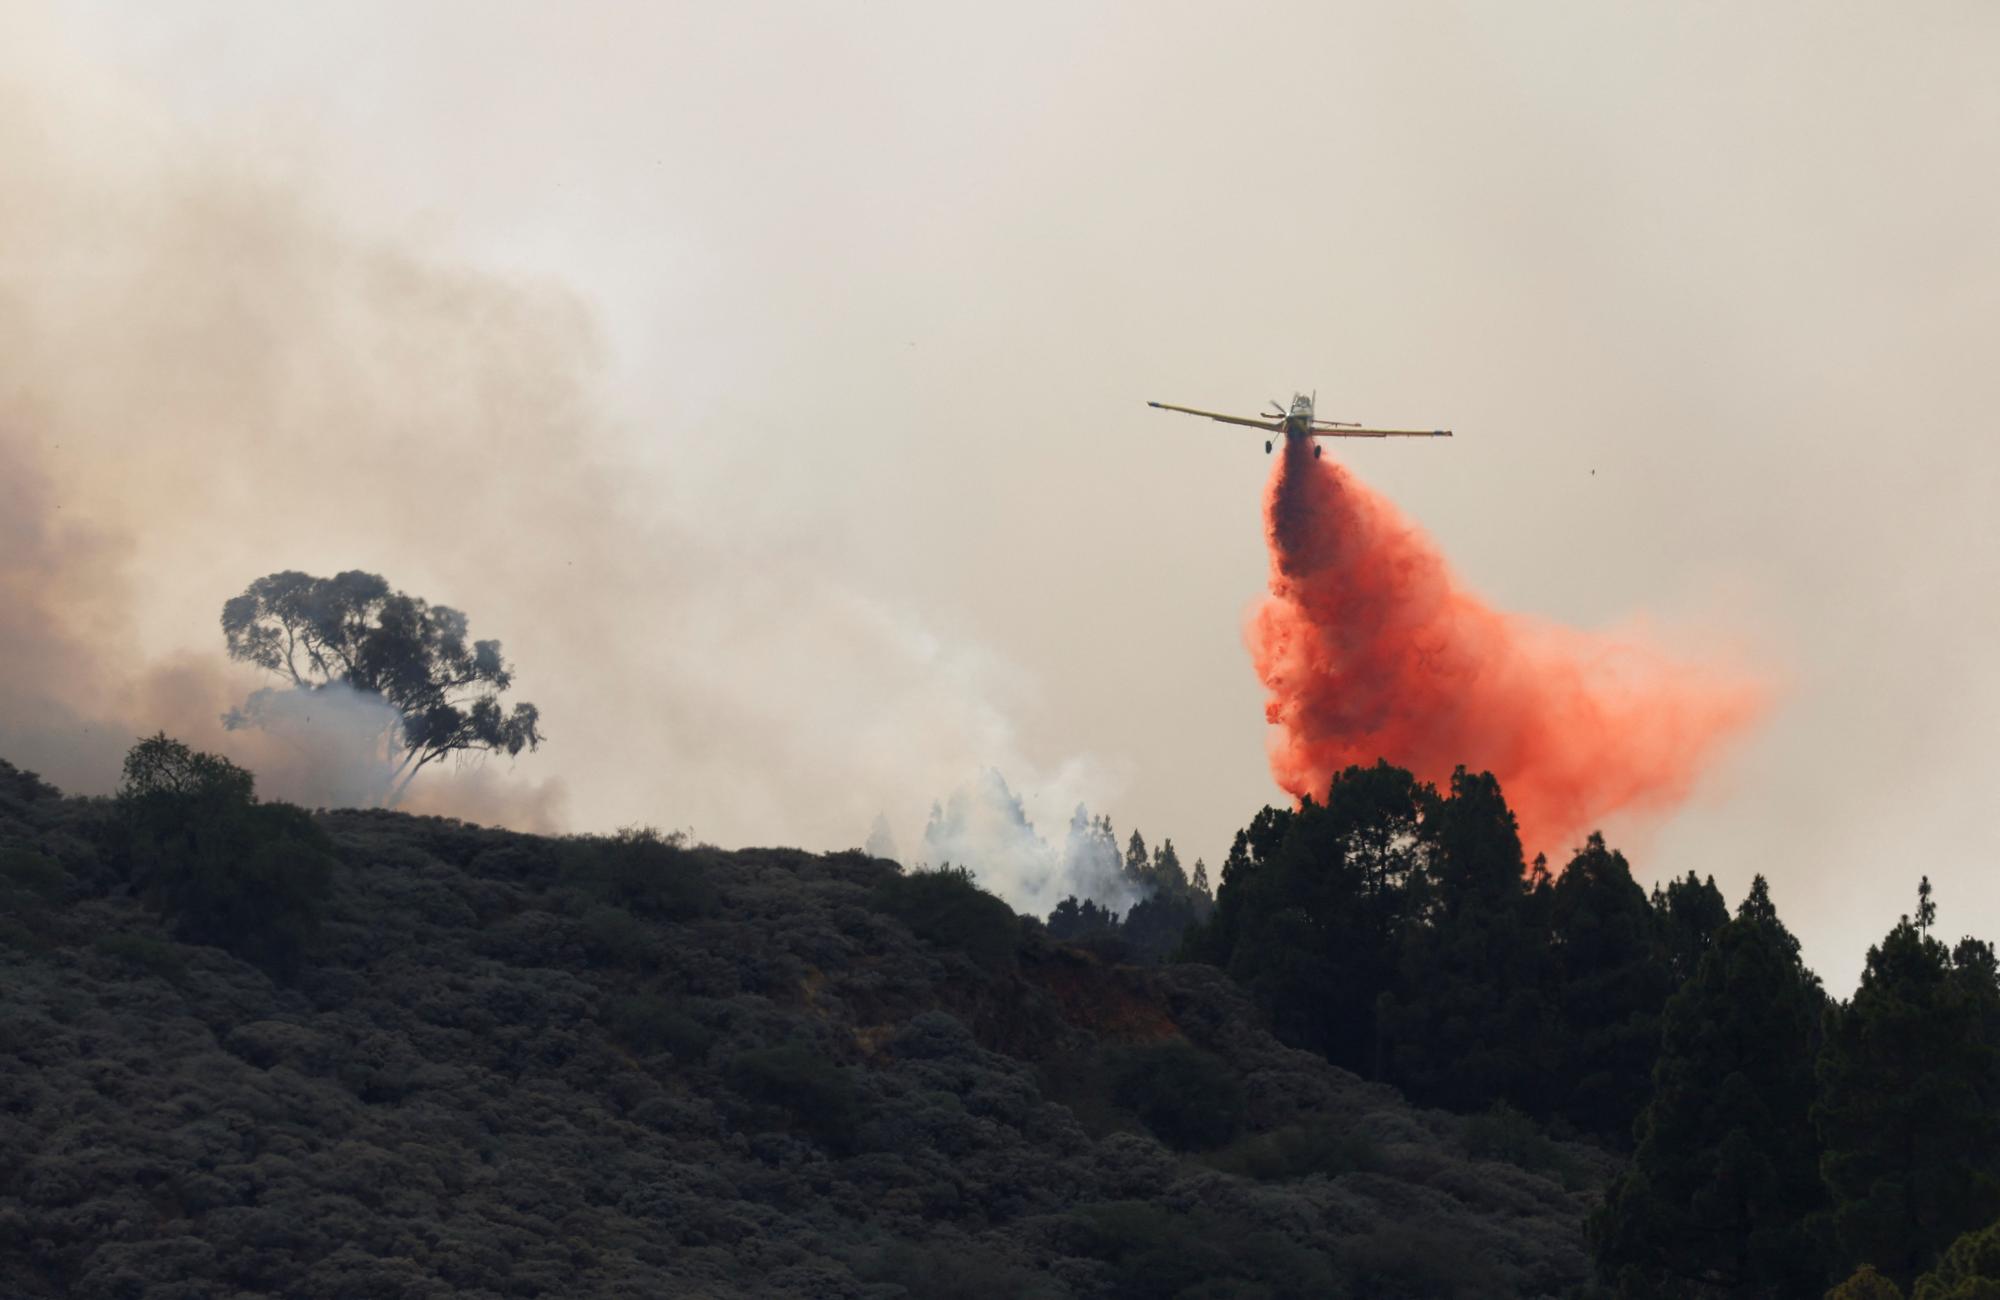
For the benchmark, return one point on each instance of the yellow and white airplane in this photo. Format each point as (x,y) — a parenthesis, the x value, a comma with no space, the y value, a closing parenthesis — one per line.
(1299,423)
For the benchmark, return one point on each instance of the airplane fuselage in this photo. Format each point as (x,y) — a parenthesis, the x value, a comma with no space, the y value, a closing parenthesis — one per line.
(1299,420)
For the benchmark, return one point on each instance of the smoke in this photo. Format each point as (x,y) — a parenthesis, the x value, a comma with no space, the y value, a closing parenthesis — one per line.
(881,841)
(209,372)
(984,827)
(1371,648)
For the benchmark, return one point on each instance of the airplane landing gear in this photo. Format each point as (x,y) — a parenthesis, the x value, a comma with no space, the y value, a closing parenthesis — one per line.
(1317,449)
(1267,448)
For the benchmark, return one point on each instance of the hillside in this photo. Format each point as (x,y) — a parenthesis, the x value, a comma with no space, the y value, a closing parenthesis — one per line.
(509,1065)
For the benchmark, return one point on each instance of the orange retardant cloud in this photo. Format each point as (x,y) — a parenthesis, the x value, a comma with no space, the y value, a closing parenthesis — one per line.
(1371,648)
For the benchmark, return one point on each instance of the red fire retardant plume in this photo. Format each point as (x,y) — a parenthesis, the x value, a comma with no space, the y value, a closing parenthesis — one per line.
(1371,648)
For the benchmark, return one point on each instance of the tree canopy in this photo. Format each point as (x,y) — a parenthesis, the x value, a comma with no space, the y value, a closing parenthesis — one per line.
(1909,1085)
(1724,1187)
(1395,929)
(243,875)
(353,630)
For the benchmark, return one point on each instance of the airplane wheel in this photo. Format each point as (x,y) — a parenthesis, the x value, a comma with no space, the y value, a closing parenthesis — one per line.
(1267,449)
(1317,449)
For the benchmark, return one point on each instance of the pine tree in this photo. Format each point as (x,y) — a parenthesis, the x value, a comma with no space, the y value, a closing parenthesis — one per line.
(1611,983)
(1168,877)
(1908,1102)
(1467,1022)
(1138,867)
(1725,1180)
(1690,911)
(1072,921)
(1248,880)
(1199,894)
(1311,908)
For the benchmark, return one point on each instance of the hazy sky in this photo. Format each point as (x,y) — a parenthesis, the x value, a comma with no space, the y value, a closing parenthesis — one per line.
(771,378)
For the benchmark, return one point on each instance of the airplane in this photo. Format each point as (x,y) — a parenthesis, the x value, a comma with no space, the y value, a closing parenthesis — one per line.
(1299,423)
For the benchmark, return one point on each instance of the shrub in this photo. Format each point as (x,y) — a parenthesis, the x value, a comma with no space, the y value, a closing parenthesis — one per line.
(245,876)
(146,953)
(1189,1098)
(1159,1252)
(650,874)
(612,936)
(24,937)
(1503,1133)
(946,908)
(28,871)
(956,1271)
(1154,1251)
(18,789)
(798,1080)
(647,1023)
(1299,1151)
(1419,1262)
(31,884)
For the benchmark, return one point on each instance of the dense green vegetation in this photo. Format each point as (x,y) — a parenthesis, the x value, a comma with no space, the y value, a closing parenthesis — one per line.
(1776,1140)
(1170,901)
(1395,930)
(1725,1185)
(193,839)
(246,1049)
(486,1064)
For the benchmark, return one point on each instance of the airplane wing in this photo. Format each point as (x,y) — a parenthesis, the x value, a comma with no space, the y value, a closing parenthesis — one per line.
(1356,431)
(1269,426)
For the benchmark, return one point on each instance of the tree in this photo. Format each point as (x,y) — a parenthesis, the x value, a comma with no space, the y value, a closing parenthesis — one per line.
(1690,911)
(1072,920)
(1138,867)
(1155,926)
(1908,1101)
(1866,1284)
(1467,1021)
(1719,1195)
(1189,1098)
(351,630)
(230,871)
(1611,983)
(1200,896)
(1167,875)
(1970,1270)
(1311,907)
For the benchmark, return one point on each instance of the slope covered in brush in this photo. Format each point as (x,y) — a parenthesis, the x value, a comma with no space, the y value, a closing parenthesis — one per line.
(504,1065)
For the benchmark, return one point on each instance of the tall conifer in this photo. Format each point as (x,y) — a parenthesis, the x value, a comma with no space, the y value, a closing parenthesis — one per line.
(1611,982)
(1718,1197)
(1909,1110)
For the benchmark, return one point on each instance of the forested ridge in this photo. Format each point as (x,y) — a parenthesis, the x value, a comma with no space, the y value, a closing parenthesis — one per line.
(250,1050)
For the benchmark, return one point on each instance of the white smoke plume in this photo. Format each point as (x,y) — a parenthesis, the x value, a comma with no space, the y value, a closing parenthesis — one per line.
(209,372)
(984,827)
